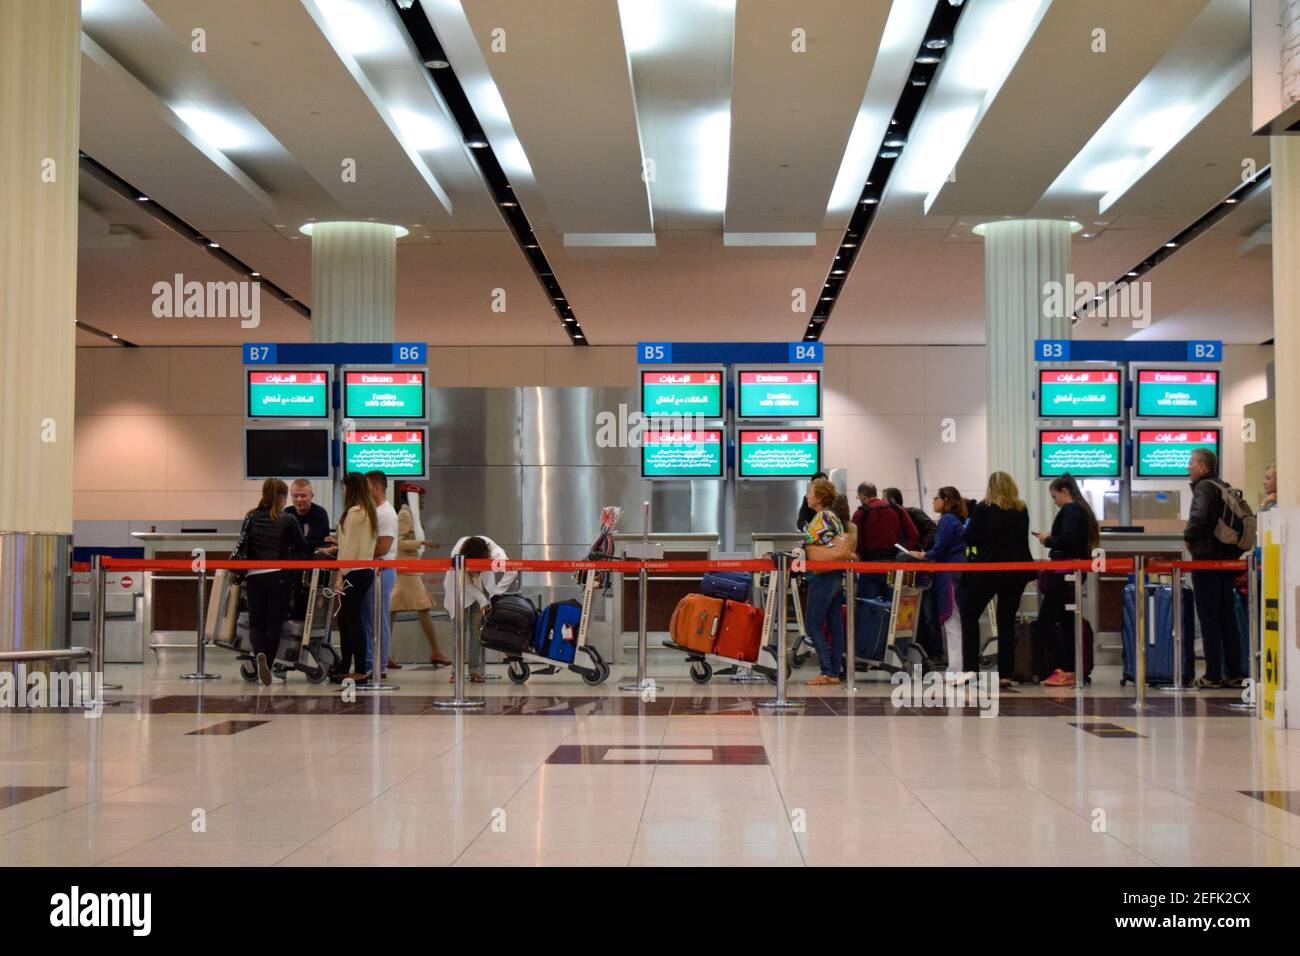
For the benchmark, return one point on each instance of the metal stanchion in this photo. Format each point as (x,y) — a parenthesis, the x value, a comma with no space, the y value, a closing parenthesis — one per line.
(1140,633)
(1079,657)
(201,639)
(781,702)
(459,701)
(377,660)
(1182,682)
(850,635)
(643,682)
(1252,652)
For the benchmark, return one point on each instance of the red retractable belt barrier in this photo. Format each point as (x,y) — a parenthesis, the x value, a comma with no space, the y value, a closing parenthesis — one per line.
(1163,566)
(880,567)
(211,564)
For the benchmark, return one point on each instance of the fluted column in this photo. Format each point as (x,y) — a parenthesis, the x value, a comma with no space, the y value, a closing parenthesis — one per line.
(353,281)
(1020,257)
(1285,158)
(40,94)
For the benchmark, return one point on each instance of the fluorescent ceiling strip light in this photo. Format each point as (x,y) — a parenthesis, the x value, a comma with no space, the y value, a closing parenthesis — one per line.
(609,239)
(769,238)
(994,35)
(1169,126)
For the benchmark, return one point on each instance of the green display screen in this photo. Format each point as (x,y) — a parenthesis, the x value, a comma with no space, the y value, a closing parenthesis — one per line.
(1078,393)
(780,393)
(398,454)
(284,393)
(384,394)
(682,392)
(682,454)
(1178,393)
(1165,452)
(779,453)
(1084,454)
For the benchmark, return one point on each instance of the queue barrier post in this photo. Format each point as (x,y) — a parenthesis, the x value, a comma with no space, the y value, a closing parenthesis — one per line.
(378,661)
(458,700)
(1182,682)
(1079,657)
(97,583)
(201,638)
(850,631)
(1250,700)
(646,551)
(781,702)
(1140,633)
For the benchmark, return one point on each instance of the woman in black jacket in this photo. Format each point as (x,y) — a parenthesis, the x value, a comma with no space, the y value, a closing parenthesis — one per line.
(270,534)
(1074,535)
(998,531)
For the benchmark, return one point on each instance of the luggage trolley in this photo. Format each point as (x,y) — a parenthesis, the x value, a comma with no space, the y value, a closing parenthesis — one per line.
(587,662)
(703,663)
(304,644)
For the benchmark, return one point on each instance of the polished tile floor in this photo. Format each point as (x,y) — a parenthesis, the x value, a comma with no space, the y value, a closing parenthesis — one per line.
(559,773)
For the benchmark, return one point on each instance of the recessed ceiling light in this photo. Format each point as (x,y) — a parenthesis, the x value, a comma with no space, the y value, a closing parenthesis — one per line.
(889,154)
(476,143)
(509,205)
(848,245)
(938,43)
(870,201)
(112,336)
(927,59)
(1089,235)
(255,275)
(1171,245)
(1133,273)
(828,298)
(437,64)
(895,142)
(1231,200)
(141,198)
(213,245)
(837,272)
(920,81)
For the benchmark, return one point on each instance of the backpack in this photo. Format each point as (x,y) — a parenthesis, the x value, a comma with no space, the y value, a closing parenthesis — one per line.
(926,528)
(1236,524)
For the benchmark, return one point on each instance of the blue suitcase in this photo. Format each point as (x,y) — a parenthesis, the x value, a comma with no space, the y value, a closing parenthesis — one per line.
(730,585)
(871,627)
(1160,654)
(556,636)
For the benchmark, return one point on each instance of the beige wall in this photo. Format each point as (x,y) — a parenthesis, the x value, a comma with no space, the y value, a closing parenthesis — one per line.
(158,429)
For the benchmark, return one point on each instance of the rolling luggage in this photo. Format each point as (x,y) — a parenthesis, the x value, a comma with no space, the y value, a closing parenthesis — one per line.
(741,631)
(728,585)
(1027,665)
(695,622)
(1160,634)
(509,624)
(556,634)
(871,628)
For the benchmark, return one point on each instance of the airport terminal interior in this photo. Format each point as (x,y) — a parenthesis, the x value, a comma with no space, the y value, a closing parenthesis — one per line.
(480,419)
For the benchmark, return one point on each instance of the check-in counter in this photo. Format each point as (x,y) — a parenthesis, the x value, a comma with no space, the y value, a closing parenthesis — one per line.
(1106,603)
(123,615)
(663,589)
(170,601)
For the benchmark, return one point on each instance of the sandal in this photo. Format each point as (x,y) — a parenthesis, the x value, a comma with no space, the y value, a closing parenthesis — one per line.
(1206,683)
(822,680)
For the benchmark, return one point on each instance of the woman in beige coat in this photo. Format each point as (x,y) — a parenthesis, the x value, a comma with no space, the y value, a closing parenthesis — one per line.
(410,594)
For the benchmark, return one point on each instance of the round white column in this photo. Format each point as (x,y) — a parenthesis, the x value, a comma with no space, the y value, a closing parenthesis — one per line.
(1285,157)
(1020,257)
(40,96)
(353,281)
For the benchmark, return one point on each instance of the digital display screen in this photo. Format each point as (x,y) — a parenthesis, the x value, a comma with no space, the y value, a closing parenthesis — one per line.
(286,453)
(1177,393)
(287,393)
(397,453)
(384,393)
(1165,452)
(1084,453)
(1079,393)
(682,392)
(683,454)
(779,393)
(779,453)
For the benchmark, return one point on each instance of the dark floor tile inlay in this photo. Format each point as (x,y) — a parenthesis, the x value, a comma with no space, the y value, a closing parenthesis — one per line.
(12,795)
(1288,800)
(699,755)
(227,727)
(1110,731)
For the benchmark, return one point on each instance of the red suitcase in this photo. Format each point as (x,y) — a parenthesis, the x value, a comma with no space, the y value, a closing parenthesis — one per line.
(694,623)
(741,631)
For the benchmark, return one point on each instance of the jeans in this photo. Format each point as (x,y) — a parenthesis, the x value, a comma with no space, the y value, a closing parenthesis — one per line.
(269,598)
(1216,610)
(388,580)
(825,596)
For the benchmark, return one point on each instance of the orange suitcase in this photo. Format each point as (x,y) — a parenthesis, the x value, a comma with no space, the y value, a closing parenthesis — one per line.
(695,622)
(741,631)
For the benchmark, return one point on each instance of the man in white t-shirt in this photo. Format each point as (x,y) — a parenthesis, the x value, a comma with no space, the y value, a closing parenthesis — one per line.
(385,550)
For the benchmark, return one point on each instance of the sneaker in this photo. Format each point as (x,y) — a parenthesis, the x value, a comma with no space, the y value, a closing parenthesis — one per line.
(1059,678)
(1207,683)
(263,670)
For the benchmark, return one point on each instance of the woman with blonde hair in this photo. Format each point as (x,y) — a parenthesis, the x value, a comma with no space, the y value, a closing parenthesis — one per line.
(410,594)
(998,531)
(270,534)
(825,540)
(357,537)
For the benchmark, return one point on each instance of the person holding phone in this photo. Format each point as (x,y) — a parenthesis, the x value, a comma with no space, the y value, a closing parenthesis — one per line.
(949,548)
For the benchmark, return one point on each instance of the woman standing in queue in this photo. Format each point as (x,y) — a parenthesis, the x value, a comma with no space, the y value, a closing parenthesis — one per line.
(410,594)
(1073,537)
(271,534)
(356,542)
(825,540)
(949,548)
(997,532)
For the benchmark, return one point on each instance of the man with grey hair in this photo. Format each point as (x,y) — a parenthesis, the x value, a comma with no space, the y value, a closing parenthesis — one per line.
(1212,590)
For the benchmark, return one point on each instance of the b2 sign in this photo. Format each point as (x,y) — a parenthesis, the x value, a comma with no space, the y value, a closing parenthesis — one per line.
(1177,393)
(1088,453)
(1079,393)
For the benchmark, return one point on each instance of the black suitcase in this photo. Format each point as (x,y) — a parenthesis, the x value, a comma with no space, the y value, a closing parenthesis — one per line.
(509,623)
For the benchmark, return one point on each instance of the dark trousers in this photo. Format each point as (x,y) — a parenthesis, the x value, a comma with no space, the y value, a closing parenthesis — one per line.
(352,632)
(269,599)
(1055,629)
(979,590)
(1216,610)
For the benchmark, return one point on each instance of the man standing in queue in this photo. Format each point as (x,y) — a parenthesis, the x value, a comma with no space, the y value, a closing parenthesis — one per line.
(385,550)
(312,518)
(1213,590)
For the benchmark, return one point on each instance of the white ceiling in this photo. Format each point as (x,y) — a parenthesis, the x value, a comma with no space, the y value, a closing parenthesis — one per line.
(747,138)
